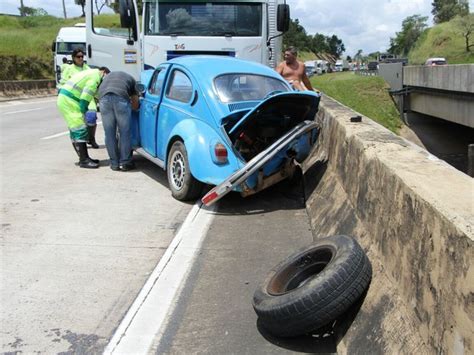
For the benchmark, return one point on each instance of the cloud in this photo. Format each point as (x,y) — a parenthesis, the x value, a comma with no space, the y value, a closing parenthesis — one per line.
(366,25)
(363,24)
(52,7)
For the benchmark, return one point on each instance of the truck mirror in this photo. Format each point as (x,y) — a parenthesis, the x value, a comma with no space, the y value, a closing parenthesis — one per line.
(53,46)
(125,10)
(127,18)
(283,17)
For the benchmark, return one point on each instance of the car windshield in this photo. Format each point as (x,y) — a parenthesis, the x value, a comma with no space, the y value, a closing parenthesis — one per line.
(189,18)
(68,47)
(247,87)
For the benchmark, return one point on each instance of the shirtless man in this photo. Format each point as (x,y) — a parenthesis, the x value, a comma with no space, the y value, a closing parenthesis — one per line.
(294,71)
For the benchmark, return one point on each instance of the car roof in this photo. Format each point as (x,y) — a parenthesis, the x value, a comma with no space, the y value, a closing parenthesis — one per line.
(209,66)
(437,58)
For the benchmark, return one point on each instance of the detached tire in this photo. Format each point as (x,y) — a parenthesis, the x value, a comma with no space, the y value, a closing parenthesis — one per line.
(182,183)
(312,287)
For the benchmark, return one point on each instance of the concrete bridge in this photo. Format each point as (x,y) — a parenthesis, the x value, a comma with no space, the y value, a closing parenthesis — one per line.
(445,92)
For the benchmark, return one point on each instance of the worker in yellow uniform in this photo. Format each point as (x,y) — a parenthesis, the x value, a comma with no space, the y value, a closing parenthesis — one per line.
(74,98)
(77,66)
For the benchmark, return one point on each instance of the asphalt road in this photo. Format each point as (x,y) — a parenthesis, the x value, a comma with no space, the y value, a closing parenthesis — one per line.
(77,245)
(90,262)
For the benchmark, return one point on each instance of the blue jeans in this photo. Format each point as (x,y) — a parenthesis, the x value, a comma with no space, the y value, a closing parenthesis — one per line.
(116,118)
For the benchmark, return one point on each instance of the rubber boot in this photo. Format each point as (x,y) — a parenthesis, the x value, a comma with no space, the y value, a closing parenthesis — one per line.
(84,160)
(91,132)
(76,148)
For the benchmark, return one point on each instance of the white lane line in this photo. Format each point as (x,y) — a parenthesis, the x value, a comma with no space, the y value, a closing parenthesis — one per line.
(31,109)
(60,134)
(55,135)
(26,102)
(147,317)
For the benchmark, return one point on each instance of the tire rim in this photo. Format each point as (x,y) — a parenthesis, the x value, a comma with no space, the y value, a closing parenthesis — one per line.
(178,170)
(307,267)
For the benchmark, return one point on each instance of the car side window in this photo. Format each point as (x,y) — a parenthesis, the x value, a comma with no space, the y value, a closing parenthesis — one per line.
(180,87)
(157,82)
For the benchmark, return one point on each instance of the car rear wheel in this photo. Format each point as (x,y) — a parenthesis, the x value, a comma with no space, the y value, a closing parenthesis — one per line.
(182,183)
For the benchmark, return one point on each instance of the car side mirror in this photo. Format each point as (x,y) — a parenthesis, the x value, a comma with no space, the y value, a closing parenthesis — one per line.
(53,46)
(283,17)
(141,89)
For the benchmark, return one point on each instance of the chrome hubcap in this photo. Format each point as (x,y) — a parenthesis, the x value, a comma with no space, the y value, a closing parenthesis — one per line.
(178,170)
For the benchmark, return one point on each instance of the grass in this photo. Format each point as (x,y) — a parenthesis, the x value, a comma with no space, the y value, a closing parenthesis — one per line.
(29,39)
(443,40)
(367,95)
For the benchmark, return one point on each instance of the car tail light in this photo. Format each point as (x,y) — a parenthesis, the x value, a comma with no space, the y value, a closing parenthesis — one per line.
(209,198)
(220,151)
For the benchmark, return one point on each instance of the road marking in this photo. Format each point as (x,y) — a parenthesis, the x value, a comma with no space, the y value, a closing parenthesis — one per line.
(147,317)
(55,135)
(27,102)
(60,134)
(31,109)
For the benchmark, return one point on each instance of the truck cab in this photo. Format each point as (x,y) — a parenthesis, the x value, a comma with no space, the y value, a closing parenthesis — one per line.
(245,29)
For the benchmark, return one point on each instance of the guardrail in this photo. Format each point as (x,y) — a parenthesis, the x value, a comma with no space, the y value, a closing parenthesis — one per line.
(19,88)
(367,72)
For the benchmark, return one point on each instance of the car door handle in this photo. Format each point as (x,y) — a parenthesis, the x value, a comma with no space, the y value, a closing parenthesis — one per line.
(154,108)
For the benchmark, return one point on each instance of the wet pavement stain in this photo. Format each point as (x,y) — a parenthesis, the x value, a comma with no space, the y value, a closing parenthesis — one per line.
(83,343)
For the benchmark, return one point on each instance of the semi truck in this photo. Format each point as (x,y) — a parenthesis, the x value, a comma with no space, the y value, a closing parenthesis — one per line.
(341,65)
(247,29)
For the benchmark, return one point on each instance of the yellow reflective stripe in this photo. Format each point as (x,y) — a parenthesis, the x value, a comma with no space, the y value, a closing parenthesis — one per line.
(87,91)
(73,86)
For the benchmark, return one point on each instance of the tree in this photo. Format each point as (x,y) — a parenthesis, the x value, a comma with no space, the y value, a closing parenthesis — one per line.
(335,46)
(31,11)
(412,27)
(296,36)
(81,3)
(319,43)
(445,10)
(465,26)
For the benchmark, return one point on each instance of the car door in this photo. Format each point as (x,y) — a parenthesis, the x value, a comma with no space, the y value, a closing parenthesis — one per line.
(149,110)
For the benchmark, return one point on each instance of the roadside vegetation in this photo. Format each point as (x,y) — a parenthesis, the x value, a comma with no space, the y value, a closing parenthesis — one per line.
(367,95)
(25,52)
(444,40)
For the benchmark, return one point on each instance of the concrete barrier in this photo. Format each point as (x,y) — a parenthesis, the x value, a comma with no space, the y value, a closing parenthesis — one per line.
(25,88)
(413,214)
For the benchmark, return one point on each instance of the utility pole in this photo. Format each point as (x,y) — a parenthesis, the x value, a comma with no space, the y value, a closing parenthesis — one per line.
(21,8)
(64,10)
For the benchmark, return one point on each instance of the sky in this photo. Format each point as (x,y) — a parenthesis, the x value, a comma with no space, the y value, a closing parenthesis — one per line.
(364,24)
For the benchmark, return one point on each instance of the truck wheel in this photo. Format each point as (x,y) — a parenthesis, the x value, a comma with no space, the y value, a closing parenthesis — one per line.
(312,287)
(182,184)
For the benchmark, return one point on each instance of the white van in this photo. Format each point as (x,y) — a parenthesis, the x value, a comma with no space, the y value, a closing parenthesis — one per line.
(68,39)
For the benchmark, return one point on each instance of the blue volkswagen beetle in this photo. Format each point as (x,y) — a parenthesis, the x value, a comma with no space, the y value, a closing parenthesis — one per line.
(222,121)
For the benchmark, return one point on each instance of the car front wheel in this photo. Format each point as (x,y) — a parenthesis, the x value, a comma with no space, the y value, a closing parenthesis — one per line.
(182,184)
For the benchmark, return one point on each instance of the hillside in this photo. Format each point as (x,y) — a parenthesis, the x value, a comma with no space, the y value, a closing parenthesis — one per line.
(367,95)
(25,52)
(443,40)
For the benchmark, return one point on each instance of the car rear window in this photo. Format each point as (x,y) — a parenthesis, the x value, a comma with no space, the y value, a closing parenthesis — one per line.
(246,87)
